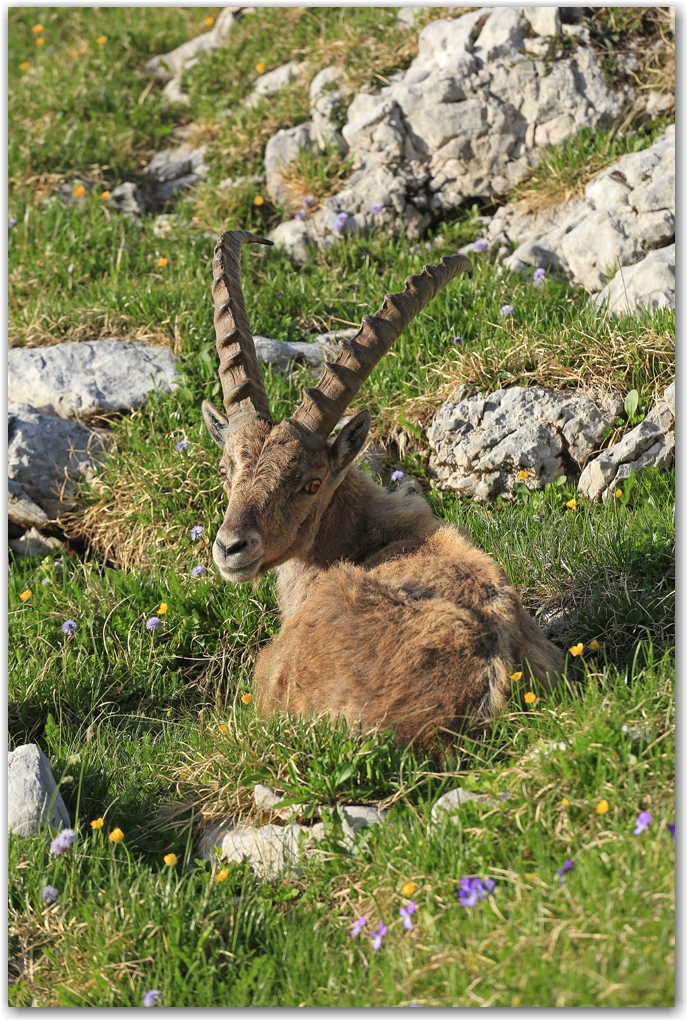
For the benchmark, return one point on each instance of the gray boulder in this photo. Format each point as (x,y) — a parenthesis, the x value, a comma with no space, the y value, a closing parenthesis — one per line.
(173,170)
(21,509)
(282,355)
(649,444)
(481,444)
(282,150)
(128,199)
(649,283)
(325,98)
(449,804)
(33,800)
(274,81)
(48,456)
(34,545)
(82,379)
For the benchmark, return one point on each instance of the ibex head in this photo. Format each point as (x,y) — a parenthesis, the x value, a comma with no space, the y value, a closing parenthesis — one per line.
(280,478)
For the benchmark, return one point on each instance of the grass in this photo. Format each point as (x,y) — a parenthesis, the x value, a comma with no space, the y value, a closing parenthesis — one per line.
(148,730)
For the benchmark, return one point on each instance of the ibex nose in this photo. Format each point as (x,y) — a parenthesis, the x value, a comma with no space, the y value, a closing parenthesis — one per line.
(238,554)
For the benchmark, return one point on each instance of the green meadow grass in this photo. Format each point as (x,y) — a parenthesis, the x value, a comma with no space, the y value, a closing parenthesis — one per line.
(148,731)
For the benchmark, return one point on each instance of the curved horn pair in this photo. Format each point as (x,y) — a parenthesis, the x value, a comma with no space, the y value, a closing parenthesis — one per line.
(323,405)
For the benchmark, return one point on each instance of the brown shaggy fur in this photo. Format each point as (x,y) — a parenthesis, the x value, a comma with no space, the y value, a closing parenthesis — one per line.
(389,616)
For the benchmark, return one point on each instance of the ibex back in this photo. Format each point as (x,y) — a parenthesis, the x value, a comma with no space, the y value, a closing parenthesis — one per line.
(389,616)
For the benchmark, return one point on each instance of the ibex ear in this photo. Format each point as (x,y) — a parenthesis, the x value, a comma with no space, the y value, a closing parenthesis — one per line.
(349,441)
(217,424)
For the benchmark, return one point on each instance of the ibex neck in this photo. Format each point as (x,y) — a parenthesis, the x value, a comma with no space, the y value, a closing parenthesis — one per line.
(363,519)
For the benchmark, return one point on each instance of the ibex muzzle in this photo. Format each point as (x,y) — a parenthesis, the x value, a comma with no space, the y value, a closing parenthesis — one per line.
(389,616)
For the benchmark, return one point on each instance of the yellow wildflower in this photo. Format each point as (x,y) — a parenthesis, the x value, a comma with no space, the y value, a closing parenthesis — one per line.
(618,493)
(170,860)
(517,675)
(101,40)
(222,875)
(209,22)
(163,609)
(40,41)
(576,649)
(572,503)
(223,728)
(522,475)
(530,876)
(161,263)
(408,889)
(104,194)
(488,513)
(516,1000)
(97,823)
(75,54)
(246,698)
(530,698)
(565,802)
(602,807)
(24,66)
(37,29)
(116,835)
(259,67)
(258,200)
(593,645)
(26,595)
(79,191)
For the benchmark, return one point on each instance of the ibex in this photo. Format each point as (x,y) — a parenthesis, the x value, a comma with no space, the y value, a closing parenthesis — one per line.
(389,616)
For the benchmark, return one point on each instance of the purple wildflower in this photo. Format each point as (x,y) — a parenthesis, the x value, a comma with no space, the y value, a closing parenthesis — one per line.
(154,623)
(457,340)
(62,841)
(280,293)
(197,571)
(671,830)
(309,200)
(376,208)
(13,222)
(562,871)
(358,926)
(69,628)
(504,796)
(405,913)
(46,580)
(150,998)
(642,823)
(378,935)
(397,476)
(539,274)
(196,532)
(300,215)
(506,310)
(49,894)
(472,889)
(181,445)
(481,244)
(340,221)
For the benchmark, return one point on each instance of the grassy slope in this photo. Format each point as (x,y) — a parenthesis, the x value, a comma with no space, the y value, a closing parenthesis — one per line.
(158,720)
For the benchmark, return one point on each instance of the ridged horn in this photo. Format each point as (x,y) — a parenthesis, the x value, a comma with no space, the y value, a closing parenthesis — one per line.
(242,388)
(324,404)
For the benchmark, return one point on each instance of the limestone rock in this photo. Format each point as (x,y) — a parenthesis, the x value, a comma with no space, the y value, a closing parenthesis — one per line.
(465,121)
(273,81)
(450,803)
(649,283)
(48,456)
(21,509)
(34,545)
(325,98)
(480,444)
(622,230)
(128,199)
(82,379)
(33,799)
(281,150)
(173,170)
(281,354)
(649,444)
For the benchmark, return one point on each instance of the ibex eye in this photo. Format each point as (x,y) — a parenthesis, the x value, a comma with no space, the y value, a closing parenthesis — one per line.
(312,486)
(222,471)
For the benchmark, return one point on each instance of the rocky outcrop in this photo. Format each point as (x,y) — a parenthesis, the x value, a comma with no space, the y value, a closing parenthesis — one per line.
(33,800)
(83,379)
(466,119)
(650,444)
(268,84)
(282,355)
(481,446)
(627,211)
(47,458)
